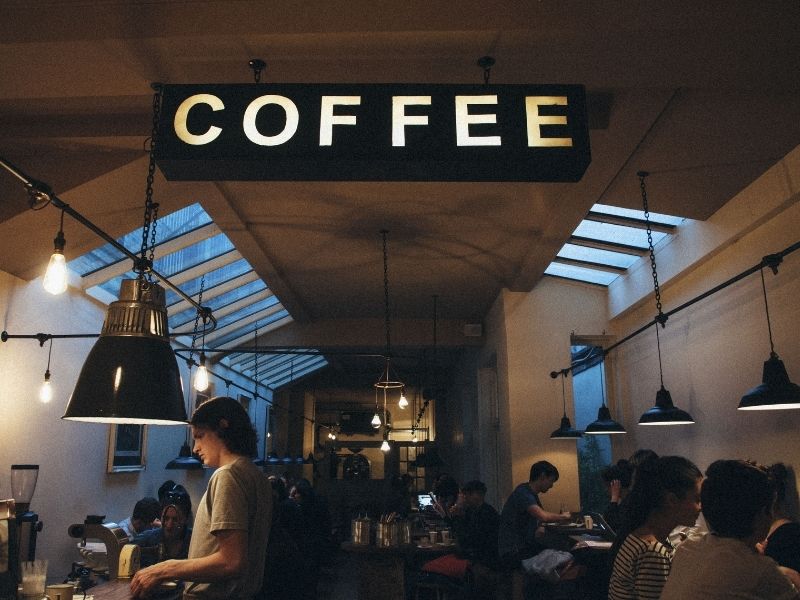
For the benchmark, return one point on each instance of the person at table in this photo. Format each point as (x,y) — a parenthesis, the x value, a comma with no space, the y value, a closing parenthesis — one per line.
(445,491)
(737,504)
(145,516)
(315,543)
(617,479)
(666,494)
(171,540)
(783,541)
(523,515)
(398,498)
(231,529)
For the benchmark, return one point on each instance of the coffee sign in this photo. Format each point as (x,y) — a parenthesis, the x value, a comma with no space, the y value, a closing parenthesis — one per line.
(397,132)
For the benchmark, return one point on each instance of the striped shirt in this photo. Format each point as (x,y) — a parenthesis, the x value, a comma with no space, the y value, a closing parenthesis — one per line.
(640,570)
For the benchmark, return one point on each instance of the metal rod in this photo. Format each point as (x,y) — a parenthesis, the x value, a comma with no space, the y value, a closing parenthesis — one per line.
(770,260)
(41,190)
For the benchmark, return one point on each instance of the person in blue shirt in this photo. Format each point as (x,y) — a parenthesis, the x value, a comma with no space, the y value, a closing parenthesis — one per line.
(523,514)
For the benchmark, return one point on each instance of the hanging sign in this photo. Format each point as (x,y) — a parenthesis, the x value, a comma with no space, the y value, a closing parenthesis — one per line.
(392,132)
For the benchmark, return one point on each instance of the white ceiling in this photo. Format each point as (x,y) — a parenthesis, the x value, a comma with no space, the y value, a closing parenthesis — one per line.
(705,96)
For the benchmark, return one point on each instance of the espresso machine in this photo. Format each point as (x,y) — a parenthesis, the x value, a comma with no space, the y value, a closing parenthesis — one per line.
(23,484)
(114,539)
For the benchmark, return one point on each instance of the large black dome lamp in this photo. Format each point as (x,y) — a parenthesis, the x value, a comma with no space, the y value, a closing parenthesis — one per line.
(131,375)
(604,424)
(664,412)
(775,392)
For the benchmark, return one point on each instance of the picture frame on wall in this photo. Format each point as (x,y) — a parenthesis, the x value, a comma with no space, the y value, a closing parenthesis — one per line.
(127,448)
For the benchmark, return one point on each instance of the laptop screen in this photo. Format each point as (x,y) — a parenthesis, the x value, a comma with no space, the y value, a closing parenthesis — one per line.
(424,501)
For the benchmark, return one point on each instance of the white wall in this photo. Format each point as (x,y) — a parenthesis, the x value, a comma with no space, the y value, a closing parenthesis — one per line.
(536,328)
(72,456)
(713,351)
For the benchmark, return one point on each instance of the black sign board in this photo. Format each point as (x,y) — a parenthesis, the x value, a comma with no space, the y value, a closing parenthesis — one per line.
(392,132)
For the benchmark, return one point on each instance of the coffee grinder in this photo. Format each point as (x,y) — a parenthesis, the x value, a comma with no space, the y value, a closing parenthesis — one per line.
(23,484)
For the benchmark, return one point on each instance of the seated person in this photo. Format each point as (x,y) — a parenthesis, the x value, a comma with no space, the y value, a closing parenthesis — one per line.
(617,479)
(398,498)
(171,540)
(445,492)
(783,542)
(737,504)
(666,494)
(474,522)
(145,516)
(522,516)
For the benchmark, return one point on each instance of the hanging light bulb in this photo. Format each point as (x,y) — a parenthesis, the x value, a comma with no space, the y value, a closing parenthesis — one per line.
(414,437)
(385,446)
(55,278)
(403,403)
(46,389)
(201,378)
(376,421)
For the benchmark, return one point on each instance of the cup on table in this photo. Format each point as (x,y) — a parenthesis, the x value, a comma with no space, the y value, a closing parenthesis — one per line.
(445,536)
(588,522)
(434,535)
(60,591)
(425,541)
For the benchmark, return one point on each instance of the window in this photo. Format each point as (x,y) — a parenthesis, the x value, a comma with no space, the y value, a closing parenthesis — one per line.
(594,451)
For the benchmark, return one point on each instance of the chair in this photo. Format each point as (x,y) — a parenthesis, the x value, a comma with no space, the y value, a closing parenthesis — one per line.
(432,586)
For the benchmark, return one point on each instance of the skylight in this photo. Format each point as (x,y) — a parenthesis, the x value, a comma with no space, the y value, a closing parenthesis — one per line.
(194,250)
(608,242)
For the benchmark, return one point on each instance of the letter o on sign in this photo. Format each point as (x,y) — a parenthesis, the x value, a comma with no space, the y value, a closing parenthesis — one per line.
(289,128)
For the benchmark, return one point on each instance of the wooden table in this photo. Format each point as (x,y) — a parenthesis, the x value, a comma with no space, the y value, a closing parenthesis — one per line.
(120,589)
(382,572)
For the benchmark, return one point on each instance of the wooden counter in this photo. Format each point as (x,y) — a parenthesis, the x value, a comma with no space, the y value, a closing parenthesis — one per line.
(120,589)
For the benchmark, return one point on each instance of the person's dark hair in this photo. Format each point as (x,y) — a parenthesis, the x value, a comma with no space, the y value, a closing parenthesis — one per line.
(733,494)
(623,471)
(641,456)
(278,488)
(305,490)
(147,509)
(446,487)
(545,468)
(474,486)
(230,421)
(179,497)
(780,475)
(167,486)
(654,480)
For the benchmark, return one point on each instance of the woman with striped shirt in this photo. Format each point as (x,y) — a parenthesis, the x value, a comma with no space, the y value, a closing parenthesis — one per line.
(666,494)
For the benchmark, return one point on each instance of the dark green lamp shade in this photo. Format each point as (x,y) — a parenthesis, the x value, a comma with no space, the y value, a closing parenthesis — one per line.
(776,392)
(665,412)
(604,424)
(185,460)
(131,375)
(565,431)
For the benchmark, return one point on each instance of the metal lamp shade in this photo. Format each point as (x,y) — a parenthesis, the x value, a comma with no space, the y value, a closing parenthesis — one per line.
(775,392)
(565,431)
(604,424)
(185,460)
(665,412)
(131,375)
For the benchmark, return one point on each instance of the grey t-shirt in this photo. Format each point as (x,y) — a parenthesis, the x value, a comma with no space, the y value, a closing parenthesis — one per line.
(238,497)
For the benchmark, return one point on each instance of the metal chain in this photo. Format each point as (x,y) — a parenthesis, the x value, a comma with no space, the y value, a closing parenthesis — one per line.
(661,318)
(150,208)
(195,335)
(386,291)
(486,62)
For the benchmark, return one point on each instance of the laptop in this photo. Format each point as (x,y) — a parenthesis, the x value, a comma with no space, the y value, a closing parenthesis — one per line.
(424,501)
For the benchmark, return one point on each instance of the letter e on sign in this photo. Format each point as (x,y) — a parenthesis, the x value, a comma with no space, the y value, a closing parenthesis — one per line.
(464,119)
(535,120)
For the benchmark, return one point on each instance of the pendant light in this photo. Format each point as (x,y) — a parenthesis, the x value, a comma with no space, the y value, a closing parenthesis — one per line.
(186,459)
(46,389)
(385,381)
(565,430)
(131,374)
(376,418)
(775,392)
(604,425)
(664,412)
(55,278)
(403,402)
